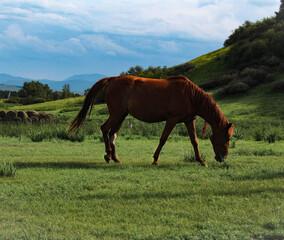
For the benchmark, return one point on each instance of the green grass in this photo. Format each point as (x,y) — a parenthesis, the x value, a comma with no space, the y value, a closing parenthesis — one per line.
(208,66)
(7,169)
(65,190)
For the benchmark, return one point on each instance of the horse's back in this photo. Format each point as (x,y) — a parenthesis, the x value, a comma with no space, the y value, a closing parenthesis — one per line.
(149,100)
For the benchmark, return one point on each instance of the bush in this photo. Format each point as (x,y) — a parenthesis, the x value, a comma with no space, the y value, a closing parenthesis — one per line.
(237,134)
(245,80)
(7,169)
(234,88)
(219,81)
(268,135)
(37,136)
(31,100)
(278,87)
(258,135)
(272,136)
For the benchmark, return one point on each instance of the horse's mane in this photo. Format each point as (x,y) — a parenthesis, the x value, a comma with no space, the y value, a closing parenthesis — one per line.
(207,107)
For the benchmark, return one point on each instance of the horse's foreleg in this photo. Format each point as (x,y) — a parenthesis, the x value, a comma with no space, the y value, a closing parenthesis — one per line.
(170,124)
(190,125)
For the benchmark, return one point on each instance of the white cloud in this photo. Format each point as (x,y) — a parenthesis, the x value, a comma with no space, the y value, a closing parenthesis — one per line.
(205,19)
(102,43)
(14,37)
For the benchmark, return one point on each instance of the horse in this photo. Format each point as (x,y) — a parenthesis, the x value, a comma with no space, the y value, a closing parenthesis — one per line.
(174,100)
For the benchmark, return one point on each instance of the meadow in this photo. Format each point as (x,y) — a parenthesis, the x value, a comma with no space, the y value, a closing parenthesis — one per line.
(57,186)
(65,190)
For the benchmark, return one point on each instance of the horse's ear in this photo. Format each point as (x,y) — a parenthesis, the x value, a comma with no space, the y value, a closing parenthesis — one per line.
(230,125)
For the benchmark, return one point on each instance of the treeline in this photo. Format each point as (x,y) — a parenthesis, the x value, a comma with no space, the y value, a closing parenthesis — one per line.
(159,72)
(7,94)
(36,92)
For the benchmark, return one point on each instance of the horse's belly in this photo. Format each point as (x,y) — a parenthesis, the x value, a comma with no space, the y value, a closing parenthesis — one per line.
(147,113)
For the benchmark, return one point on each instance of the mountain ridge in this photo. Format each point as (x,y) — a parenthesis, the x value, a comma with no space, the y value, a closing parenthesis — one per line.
(78,83)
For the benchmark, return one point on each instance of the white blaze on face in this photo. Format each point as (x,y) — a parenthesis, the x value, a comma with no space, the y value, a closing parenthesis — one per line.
(112,139)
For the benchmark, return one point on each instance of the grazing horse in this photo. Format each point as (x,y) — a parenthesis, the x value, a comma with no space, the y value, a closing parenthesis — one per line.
(174,100)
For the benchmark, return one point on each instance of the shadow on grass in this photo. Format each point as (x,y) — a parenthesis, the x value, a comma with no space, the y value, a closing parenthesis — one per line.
(259,176)
(169,195)
(94,165)
(60,165)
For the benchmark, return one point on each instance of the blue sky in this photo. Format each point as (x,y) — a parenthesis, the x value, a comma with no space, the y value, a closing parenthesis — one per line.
(55,39)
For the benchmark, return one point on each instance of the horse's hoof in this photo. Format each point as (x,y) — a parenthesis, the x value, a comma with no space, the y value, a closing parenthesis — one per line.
(156,163)
(203,164)
(107,159)
(116,160)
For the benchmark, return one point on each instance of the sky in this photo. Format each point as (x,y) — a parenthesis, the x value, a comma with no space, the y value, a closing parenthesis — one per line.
(54,39)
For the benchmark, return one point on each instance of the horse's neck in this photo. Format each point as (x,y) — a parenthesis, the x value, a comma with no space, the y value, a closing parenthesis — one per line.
(209,111)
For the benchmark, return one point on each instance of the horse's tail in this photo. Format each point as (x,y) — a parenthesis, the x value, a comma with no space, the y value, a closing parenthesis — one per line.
(89,102)
(204,129)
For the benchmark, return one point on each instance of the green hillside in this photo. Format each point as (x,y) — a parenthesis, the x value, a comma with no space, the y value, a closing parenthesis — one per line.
(258,109)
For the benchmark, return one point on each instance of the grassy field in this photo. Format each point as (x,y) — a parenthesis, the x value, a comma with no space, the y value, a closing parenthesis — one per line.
(65,190)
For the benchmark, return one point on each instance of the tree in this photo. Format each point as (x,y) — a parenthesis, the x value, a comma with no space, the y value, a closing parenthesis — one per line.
(66,93)
(35,90)
(280,14)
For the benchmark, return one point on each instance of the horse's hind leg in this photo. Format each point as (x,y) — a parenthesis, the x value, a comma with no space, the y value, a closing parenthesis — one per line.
(105,129)
(110,129)
(112,136)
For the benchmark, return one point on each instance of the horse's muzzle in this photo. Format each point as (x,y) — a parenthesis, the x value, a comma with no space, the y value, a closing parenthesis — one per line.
(220,158)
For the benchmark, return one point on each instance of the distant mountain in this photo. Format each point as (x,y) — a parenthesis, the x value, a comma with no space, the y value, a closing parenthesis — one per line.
(4,87)
(87,77)
(11,80)
(78,83)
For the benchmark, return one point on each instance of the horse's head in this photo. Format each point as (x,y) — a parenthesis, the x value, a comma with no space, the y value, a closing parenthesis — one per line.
(220,141)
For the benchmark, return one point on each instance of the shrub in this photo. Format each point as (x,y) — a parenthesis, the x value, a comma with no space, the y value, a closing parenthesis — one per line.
(271,61)
(271,136)
(278,87)
(37,136)
(245,80)
(234,88)
(258,135)
(237,134)
(268,135)
(31,100)
(7,169)
(219,81)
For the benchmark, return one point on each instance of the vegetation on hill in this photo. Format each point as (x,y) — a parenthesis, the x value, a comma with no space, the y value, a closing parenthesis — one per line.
(36,92)
(250,57)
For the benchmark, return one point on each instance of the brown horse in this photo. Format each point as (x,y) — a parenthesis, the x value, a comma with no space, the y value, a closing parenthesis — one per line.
(174,100)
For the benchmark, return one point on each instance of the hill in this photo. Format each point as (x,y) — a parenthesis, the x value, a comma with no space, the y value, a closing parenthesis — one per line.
(78,83)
